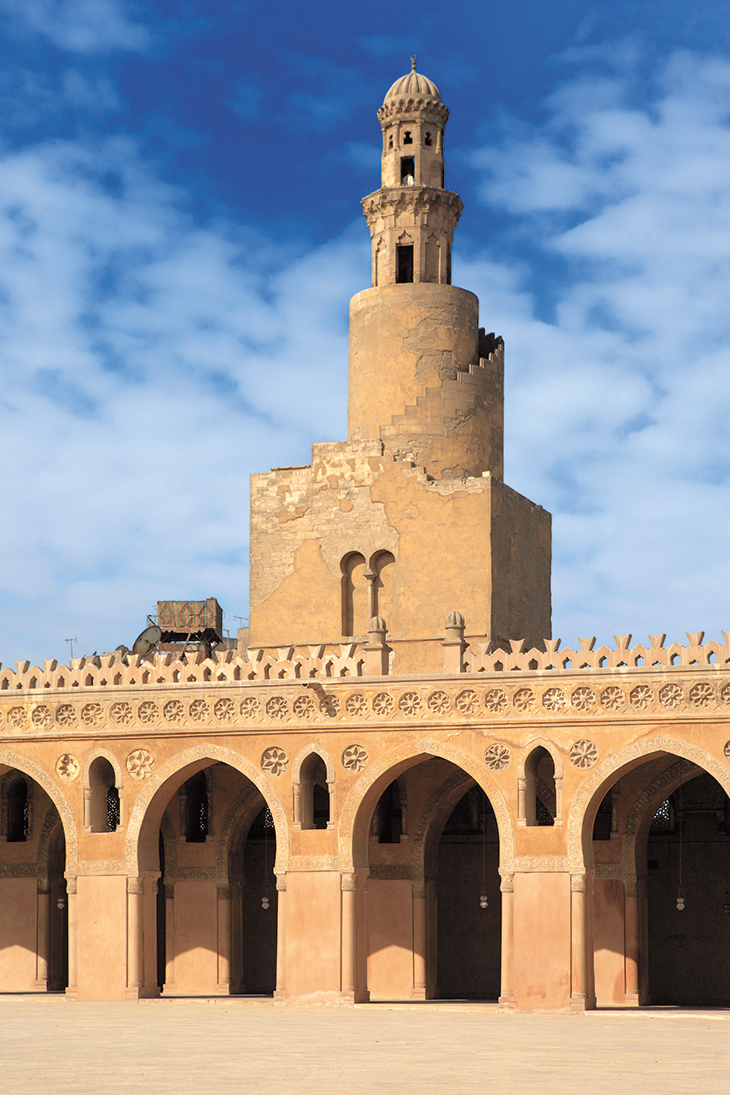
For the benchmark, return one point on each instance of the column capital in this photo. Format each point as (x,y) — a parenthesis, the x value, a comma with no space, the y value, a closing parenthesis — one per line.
(348,882)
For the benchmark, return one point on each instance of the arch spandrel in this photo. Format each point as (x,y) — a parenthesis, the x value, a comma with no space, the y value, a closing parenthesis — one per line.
(355,816)
(59,800)
(580,844)
(196,757)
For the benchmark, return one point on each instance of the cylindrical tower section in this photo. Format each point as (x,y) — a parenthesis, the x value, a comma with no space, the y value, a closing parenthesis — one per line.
(425,380)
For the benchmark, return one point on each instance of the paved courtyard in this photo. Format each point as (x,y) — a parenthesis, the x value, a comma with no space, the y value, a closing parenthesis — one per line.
(50,1046)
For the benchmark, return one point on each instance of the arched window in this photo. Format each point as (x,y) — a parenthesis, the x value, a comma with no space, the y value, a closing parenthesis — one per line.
(540,796)
(103,802)
(389,815)
(315,794)
(355,607)
(382,595)
(18,812)
(195,808)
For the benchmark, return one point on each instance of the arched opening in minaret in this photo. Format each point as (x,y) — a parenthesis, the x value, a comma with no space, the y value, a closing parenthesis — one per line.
(407,170)
(404,263)
(354,593)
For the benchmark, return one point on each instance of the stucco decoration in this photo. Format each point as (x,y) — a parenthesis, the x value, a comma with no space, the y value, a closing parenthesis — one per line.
(354,758)
(648,801)
(244,808)
(583,753)
(611,765)
(29,768)
(67,766)
(422,749)
(213,753)
(140,764)
(497,757)
(726,750)
(274,760)
(440,803)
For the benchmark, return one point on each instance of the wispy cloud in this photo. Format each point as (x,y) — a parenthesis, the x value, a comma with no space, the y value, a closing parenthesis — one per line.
(82,26)
(618,404)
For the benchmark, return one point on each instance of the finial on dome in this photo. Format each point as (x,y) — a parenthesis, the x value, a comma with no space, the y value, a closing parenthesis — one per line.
(414,58)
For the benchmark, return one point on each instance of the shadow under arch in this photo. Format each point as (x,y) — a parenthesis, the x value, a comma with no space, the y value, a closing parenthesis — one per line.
(141,854)
(604,775)
(59,800)
(358,807)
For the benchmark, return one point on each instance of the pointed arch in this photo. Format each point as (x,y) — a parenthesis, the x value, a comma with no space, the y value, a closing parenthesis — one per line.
(195,759)
(355,815)
(59,800)
(591,791)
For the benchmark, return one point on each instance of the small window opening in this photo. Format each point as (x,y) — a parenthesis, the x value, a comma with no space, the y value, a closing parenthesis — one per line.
(428,140)
(604,819)
(404,263)
(390,815)
(113,813)
(542,814)
(18,811)
(442,177)
(196,809)
(662,820)
(315,793)
(408,137)
(104,804)
(390,141)
(407,171)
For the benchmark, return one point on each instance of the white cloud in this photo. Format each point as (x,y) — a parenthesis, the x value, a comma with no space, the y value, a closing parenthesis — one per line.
(147,364)
(618,408)
(81,26)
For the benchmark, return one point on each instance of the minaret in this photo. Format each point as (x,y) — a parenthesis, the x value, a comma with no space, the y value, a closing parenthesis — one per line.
(413,336)
(409,519)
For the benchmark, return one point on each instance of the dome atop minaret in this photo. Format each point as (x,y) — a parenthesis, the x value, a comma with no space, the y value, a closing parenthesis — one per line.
(413,86)
(412,92)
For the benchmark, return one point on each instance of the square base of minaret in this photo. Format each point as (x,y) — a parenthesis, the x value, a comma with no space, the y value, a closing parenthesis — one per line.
(359,534)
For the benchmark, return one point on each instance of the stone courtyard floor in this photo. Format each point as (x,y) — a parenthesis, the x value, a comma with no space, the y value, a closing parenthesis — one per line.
(49,1046)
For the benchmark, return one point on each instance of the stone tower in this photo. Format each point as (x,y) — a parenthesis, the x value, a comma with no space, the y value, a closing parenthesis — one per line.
(409,519)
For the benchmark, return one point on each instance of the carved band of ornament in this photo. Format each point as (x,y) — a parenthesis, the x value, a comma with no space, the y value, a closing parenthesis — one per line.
(313,863)
(348,882)
(609,870)
(540,865)
(18,870)
(391,872)
(135,885)
(102,867)
(578,883)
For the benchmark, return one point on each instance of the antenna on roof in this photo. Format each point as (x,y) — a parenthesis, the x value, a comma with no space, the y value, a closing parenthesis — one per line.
(71,645)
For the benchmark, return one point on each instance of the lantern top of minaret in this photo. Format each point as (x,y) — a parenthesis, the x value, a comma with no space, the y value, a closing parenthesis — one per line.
(412,92)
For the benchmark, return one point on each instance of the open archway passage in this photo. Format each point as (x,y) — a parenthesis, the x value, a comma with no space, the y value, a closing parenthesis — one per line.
(469,931)
(216,905)
(688,855)
(254,954)
(33,901)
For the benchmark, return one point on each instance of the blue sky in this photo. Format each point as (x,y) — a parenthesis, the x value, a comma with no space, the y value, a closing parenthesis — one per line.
(180,233)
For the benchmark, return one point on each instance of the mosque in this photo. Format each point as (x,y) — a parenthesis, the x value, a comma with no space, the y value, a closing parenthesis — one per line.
(396,786)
